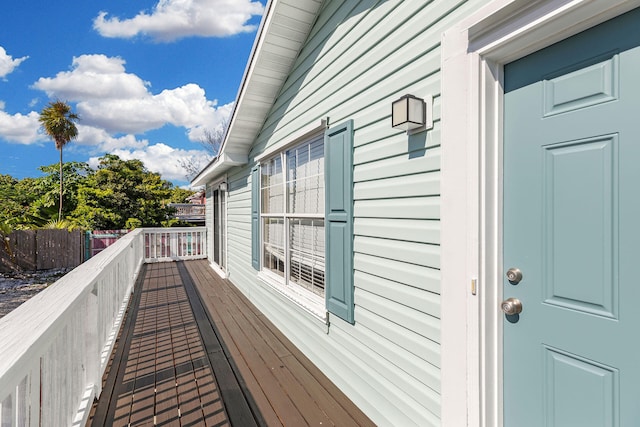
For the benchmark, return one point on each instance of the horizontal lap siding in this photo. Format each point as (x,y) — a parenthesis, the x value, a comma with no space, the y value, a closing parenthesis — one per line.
(239,229)
(359,58)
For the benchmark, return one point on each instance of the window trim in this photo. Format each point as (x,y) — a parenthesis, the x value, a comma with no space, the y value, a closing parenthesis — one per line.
(303,298)
(304,134)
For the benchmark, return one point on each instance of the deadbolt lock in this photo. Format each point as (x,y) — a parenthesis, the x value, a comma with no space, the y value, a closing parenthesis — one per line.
(511,306)
(514,275)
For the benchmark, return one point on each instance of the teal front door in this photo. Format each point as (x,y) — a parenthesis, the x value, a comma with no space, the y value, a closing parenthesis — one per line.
(571,215)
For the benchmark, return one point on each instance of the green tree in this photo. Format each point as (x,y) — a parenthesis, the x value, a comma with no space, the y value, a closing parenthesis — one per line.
(57,120)
(179,195)
(33,202)
(17,198)
(121,194)
(10,206)
(46,192)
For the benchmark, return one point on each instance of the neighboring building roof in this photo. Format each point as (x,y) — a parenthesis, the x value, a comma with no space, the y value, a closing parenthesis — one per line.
(285,27)
(196,198)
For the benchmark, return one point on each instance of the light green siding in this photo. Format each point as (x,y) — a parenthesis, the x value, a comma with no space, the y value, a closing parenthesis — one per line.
(359,57)
(240,269)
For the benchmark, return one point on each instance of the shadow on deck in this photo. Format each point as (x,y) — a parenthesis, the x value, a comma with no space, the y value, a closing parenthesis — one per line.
(195,352)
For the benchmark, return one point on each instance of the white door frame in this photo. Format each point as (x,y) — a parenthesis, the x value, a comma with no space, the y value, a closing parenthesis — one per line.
(473,55)
(214,186)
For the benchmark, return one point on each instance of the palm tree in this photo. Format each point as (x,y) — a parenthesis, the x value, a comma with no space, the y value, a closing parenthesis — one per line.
(57,119)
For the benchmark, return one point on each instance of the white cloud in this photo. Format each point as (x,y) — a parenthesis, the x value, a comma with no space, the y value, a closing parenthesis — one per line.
(223,114)
(174,19)
(7,63)
(108,97)
(102,141)
(159,158)
(20,128)
(94,77)
(25,129)
(116,108)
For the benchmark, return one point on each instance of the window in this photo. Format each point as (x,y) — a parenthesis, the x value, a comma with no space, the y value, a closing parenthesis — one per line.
(302,221)
(292,216)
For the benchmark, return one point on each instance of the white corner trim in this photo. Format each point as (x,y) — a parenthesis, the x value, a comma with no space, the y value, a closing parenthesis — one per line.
(473,55)
(301,135)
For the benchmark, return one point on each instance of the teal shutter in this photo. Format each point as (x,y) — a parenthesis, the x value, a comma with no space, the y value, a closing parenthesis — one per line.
(338,158)
(255,218)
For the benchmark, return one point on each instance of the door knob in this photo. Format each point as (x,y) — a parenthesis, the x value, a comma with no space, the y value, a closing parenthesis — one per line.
(511,306)
(514,275)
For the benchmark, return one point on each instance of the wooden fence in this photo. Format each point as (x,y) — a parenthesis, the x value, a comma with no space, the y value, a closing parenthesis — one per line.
(43,249)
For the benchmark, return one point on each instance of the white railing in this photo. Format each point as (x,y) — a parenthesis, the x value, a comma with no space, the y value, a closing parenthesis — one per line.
(167,244)
(55,347)
(189,211)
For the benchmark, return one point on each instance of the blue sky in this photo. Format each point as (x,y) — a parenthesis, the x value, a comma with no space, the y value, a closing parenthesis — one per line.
(147,77)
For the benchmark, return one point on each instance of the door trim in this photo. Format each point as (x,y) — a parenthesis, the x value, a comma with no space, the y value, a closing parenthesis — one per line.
(212,187)
(473,54)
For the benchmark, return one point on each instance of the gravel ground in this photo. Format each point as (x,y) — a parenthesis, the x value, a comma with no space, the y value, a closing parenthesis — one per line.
(18,287)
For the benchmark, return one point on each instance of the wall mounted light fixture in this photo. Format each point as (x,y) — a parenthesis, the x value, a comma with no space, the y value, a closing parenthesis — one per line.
(412,114)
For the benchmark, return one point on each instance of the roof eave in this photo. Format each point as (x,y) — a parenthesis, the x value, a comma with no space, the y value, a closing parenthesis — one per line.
(255,96)
(218,167)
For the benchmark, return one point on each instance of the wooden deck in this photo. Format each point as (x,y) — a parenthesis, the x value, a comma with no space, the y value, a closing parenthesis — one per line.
(195,352)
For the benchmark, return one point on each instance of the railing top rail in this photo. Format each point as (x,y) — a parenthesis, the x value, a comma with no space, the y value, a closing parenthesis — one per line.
(174,229)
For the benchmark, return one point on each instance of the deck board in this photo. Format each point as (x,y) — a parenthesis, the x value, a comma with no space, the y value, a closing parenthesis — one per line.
(195,352)
(164,377)
(295,386)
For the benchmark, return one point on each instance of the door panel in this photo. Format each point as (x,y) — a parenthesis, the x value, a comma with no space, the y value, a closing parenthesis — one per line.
(597,384)
(579,185)
(571,210)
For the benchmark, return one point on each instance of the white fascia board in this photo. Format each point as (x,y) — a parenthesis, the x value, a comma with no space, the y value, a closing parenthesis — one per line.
(249,69)
(204,174)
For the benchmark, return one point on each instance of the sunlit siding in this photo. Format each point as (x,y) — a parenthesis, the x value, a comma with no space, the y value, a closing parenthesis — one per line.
(359,57)
(239,228)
